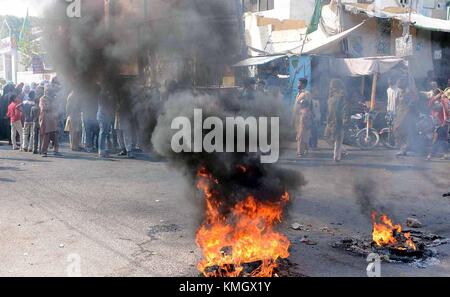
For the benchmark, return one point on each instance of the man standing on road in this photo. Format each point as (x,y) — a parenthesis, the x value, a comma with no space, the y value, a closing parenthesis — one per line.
(35,111)
(338,114)
(439,105)
(303,117)
(404,121)
(26,107)
(447,90)
(48,122)
(105,117)
(73,123)
(15,117)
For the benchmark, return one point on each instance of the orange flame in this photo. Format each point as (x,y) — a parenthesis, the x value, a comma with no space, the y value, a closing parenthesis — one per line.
(244,236)
(384,232)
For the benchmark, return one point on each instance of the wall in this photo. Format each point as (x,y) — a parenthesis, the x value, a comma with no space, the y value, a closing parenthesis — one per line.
(281,11)
(302,10)
(364,42)
(291,9)
(422,60)
(258,36)
(29,77)
(367,42)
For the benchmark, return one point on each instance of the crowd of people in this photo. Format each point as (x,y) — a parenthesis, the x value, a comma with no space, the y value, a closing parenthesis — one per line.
(98,122)
(34,116)
(402,105)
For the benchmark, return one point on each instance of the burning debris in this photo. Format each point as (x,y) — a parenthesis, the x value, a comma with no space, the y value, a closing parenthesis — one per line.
(240,241)
(386,234)
(243,199)
(392,243)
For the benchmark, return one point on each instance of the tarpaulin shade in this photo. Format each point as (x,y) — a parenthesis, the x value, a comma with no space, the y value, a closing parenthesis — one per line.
(417,20)
(318,43)
(365,66)
(258,60)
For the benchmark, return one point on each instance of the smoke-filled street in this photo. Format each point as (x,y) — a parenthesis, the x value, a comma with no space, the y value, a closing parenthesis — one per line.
(136,218)
(215,147)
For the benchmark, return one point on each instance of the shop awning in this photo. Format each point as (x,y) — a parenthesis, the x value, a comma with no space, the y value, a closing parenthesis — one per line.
(318,43)
(365,66)
(417,20)
(258,60)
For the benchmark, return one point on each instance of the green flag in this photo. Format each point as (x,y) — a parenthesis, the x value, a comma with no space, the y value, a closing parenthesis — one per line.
(25,33)
(313,25)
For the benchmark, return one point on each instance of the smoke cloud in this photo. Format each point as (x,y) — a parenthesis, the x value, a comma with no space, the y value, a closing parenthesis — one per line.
(179,45)
(264,181)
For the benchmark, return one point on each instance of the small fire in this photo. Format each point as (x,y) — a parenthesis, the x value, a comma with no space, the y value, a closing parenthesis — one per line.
(244,235)
(385,233)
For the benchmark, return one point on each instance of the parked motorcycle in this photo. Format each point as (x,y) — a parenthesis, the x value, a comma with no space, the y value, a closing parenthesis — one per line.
(357,133)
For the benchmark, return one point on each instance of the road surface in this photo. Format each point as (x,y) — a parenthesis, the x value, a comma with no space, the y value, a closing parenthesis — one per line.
(123,217)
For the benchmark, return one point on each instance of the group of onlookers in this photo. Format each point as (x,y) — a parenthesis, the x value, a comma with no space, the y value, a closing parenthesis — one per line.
(307,118)
(94,120)
(32,116)
(97,121)
(402,103)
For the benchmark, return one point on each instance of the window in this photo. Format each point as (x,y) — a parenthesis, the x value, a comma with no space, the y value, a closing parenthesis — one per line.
(266,5)
(250,5)
(258,5)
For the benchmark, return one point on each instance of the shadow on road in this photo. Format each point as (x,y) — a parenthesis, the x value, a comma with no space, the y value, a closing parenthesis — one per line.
(6,180)
(329,163)
(25,160)
(10,169)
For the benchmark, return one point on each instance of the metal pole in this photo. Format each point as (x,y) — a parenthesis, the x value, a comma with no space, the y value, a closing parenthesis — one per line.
(374,92)
(372,102)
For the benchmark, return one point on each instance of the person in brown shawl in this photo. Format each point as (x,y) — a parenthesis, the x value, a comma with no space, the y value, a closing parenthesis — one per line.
(302,117)
(73,123)
(48,121)
(404,121)
(338,115)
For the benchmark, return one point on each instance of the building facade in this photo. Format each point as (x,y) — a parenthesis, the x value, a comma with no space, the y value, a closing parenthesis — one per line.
(194,58)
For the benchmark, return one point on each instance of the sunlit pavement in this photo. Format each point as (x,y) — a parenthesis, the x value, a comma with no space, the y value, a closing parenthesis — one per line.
(121,217)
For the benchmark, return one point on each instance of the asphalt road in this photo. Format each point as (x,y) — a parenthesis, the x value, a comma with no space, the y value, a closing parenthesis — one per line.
(124,217)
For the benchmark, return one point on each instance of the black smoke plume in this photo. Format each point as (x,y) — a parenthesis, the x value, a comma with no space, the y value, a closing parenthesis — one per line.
(266,182)
(198,37)
(126,50)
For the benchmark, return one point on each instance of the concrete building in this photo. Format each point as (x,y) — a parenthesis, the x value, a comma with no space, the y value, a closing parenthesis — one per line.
(277,37)
(8,59)
(14,67)
(281,9)
(389,22)
(132,19)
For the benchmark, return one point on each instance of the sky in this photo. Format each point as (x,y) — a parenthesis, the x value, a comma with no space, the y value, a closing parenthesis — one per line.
(19,7)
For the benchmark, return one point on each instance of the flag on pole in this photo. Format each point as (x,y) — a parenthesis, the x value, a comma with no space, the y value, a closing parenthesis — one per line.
(25,33)
(314,24)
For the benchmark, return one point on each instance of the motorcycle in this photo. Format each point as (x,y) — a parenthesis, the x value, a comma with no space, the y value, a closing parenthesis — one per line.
(358,133)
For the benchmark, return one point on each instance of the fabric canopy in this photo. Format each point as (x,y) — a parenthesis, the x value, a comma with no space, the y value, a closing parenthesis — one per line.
(365,66)
(318,43)
(417,20)
(258,60)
